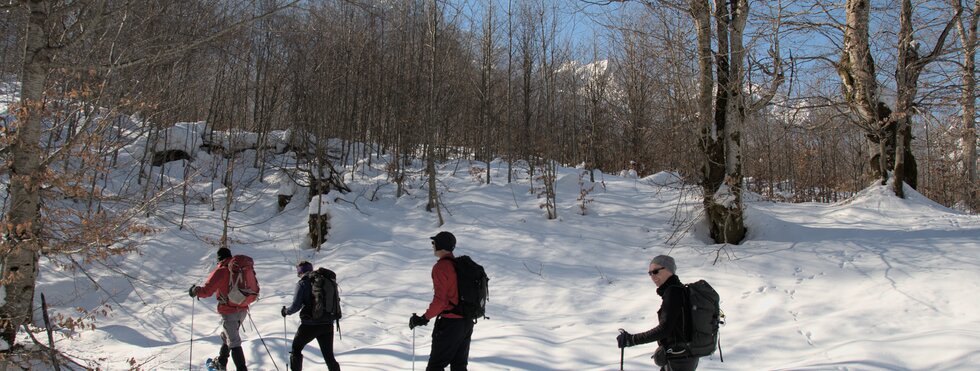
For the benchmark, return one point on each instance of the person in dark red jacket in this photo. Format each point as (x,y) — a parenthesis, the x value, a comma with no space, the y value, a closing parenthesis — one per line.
(452,333)
(671,329)
(232,315)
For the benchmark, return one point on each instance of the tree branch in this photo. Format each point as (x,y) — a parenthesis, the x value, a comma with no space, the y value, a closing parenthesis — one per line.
(182,49)
(942,39)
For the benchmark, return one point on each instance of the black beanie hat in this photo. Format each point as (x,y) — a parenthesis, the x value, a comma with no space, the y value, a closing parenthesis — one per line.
(223,253)
(444,241)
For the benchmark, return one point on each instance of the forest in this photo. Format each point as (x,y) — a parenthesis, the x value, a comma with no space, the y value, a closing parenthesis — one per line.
(797,101)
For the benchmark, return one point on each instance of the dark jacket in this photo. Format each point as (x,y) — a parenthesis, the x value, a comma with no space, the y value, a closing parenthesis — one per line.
(303,302)
(670,330)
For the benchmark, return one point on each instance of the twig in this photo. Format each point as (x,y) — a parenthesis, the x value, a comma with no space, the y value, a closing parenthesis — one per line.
(601,275)
(45,347)
(47,327)
(111,296)
(537,273)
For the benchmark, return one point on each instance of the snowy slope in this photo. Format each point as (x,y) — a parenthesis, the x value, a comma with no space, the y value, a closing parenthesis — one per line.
(872,283)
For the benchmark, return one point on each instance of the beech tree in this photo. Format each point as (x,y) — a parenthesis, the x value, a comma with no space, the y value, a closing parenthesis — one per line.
(721,138)
(889,129)
(966,27)
(910,65)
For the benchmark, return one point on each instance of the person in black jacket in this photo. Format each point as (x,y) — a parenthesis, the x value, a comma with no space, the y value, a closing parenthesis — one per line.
(309,328)
(670,333)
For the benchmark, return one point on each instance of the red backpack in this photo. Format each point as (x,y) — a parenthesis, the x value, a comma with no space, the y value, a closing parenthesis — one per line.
(243,286)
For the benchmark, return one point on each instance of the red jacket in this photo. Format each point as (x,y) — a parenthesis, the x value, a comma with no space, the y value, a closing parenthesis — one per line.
(446,293)
(218,283)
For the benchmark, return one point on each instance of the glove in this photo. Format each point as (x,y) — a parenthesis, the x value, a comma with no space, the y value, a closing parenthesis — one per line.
(417,320)
(625,339)
(193,291)
(283,311)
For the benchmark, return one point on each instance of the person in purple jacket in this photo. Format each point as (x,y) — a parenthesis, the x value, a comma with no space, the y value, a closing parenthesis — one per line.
(309,328)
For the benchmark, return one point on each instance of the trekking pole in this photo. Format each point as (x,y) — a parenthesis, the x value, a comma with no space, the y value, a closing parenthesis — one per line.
(413,345)
(285,340)
(190,365)
(249,314)
(622,352)
(338,331)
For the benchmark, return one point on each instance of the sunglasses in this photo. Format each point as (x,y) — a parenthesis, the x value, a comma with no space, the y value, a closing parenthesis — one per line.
(655,271)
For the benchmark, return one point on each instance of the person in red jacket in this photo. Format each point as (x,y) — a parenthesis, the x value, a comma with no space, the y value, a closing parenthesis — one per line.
(232,315)
(452,333)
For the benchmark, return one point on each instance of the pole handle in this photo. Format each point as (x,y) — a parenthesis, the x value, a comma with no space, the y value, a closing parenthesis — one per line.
(622,352)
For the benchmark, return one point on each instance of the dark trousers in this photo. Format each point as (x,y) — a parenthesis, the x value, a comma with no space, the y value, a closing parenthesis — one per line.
(304,335)
(450,344)
(681,364)
(237,356)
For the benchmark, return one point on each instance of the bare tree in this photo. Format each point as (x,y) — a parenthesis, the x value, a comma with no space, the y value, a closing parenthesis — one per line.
(968,38)
(721,140)
(433,34)
(55,32)
(889,129)
(910,66)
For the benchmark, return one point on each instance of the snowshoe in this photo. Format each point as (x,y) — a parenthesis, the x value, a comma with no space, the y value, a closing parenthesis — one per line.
(213,365)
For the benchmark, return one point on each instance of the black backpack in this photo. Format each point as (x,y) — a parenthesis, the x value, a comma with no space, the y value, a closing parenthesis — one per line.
(326,298)
(705,317)
(474,289)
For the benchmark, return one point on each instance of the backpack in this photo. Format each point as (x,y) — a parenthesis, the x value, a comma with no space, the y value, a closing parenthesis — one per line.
(705,317)
(326,298)
(243,287)
(472,283)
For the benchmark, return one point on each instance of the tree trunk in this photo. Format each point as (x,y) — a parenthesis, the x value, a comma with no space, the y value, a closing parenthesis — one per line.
(857,72)
(433,129)
(910,66)
(905,79)
(968,37)
(720,139)
(21,247)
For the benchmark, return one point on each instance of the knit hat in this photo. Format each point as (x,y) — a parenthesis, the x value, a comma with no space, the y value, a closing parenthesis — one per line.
(444,241)
(223,253)
(303,267)
(666,262)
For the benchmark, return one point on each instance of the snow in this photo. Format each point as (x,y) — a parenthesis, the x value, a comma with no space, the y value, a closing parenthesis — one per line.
(287,187)
(875,282)
(724,197)
(184,136)
(320,205)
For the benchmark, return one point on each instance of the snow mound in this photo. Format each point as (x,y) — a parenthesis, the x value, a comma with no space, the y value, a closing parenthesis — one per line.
(664,179)
(882,198)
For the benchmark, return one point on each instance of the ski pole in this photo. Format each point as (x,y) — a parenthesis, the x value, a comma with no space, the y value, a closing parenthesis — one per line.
(190,365)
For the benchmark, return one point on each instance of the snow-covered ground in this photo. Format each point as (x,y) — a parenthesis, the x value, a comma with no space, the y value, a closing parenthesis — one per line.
(872,283)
